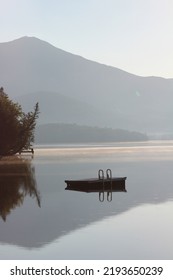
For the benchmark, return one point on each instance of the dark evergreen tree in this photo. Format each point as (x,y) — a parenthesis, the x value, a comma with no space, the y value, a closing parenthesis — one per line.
(16,127)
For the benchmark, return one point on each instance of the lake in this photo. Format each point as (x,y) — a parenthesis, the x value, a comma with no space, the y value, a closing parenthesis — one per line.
(42,220)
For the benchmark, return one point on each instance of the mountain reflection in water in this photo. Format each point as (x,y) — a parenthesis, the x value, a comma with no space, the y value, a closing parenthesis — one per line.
(17,180)
(65,213)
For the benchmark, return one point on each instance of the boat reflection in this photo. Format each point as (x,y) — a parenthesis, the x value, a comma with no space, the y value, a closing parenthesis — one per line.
(17,180)
(101,185)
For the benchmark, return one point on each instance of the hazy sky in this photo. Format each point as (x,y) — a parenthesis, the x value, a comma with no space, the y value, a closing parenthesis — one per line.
(133,35)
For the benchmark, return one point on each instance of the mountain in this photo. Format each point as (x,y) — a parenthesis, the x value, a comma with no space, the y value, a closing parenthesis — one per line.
(55,107)
(72,133)
(73,89)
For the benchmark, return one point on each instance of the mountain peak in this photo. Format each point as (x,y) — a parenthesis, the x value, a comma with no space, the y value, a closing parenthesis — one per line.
(28,42)
(30,65)
(20,39)
(30,39)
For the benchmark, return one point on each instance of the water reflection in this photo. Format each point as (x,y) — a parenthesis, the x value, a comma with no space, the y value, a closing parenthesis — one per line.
(17,180)
(64,213)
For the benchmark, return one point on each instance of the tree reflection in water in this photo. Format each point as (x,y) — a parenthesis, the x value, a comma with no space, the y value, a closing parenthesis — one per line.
(17,180)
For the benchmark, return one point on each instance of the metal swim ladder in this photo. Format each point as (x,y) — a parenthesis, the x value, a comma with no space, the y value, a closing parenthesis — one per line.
(101,177)
(108,178)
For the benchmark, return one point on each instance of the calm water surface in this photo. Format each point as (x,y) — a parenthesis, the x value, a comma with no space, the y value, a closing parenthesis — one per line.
(41,220)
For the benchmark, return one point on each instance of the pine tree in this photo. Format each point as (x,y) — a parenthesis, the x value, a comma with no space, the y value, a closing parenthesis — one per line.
(16,127)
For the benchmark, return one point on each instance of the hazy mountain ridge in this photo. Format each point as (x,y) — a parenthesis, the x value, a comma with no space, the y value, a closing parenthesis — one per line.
(72,133)
(97,94)
(55,107)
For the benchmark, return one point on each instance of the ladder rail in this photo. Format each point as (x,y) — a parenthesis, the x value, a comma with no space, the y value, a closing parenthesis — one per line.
(101,196)
(101,174)
(109,196)
(109,178)
(101,177)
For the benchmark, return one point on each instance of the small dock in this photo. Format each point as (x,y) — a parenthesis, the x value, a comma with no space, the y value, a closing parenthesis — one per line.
(101,184)
(29,151)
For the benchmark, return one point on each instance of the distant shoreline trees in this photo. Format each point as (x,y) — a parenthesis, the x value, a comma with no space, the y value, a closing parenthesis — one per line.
(16,127)
(63,133)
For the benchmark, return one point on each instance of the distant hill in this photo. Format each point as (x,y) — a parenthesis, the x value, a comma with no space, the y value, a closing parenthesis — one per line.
(72,133)
(71,89)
